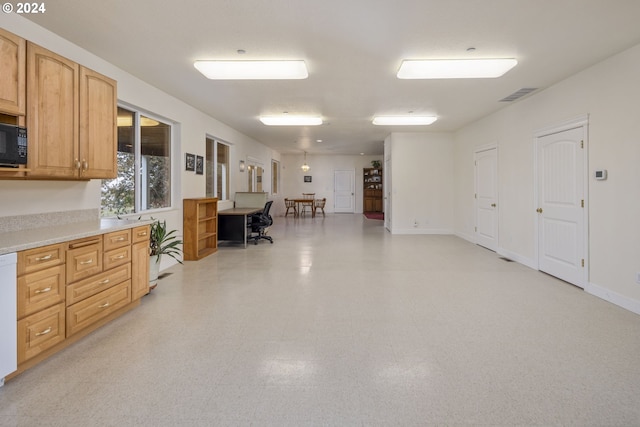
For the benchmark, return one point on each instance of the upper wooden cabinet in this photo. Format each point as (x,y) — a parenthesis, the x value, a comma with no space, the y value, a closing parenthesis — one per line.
(98,125)
(12,64)
(71,118)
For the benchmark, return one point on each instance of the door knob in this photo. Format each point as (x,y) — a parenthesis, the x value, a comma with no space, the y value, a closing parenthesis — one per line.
(539,210)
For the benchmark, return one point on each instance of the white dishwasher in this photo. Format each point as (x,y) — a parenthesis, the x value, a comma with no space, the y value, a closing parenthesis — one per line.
(8,322)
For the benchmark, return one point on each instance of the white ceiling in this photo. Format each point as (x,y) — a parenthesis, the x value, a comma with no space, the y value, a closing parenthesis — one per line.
(353,49)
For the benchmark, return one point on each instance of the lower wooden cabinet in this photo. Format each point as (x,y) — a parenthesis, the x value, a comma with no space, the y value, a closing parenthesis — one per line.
(97,307)
(139,269)
(69,289)
(40,289)
(40,332)
(78,291)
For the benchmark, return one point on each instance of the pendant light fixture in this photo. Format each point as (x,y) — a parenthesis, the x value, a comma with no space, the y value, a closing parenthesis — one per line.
(305,167)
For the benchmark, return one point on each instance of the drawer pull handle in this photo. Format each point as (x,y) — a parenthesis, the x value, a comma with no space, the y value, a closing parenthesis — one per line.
(84,244)
(113,258)
(86,262)
(44,258)
(142,233)
(45,332)
(42,291)
(120,239)
(105,305)
(104,282)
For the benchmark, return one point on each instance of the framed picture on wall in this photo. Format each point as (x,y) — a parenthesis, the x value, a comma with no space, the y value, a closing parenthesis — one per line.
(190,162)
(307,178)
(199,165)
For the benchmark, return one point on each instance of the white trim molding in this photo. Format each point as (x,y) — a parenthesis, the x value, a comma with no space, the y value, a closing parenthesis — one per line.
(613,297)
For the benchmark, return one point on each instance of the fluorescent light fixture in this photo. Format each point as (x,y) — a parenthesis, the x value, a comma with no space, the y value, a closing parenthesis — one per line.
(289,120)
(404,120)
(455,68)
(252,70)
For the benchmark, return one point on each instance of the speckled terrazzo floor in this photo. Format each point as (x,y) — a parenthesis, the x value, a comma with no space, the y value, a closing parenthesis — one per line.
(340,323)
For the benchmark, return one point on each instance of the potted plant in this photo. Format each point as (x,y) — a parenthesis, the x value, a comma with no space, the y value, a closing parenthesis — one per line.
(161,242)
(375,164)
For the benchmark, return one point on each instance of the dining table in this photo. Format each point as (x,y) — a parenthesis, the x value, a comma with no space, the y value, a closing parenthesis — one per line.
(302,201)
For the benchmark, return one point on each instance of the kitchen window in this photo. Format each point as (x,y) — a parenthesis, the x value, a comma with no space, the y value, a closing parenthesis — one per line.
(144,166)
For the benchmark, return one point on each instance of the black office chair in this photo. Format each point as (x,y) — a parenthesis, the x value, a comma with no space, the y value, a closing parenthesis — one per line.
(259,223)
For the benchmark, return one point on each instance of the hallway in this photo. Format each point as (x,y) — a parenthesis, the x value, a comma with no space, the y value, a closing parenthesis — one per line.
(340,323)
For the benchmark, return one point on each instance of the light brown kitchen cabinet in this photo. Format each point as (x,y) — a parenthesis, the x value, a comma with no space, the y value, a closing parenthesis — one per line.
(140,262)
(90,310)
(13,66)
(66,290)
(71,118)
(40,332)
(41,294)
(98,125)
(84,258)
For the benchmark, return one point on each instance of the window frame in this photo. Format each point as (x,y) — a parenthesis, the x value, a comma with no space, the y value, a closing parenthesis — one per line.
(225,185)
(138,193)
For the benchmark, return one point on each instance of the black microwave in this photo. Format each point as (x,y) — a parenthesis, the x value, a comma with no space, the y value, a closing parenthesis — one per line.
(13,145)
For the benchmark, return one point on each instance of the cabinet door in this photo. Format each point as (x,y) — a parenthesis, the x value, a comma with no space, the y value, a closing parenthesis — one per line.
(13,65)
(98,132)
(52,117)
(40,331)
(84,258)
(139,270)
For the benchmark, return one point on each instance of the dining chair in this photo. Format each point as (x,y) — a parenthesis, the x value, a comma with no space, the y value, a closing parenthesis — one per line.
(307,203)
(319,204)
(290,204)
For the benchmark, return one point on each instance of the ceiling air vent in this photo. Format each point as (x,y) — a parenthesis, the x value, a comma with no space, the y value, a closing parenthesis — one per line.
(518,94)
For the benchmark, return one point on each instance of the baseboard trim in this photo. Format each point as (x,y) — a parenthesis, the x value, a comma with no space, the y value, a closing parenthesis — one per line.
(422,231)
(518,258)
(613,297)
(468,237)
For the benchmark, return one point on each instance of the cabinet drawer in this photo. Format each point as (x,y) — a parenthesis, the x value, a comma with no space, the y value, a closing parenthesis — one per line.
(116,257)
(99,306)
(98,283)
(117,239)
(40,331)
(40,289)
(84,258)
(141,234)
(40,258)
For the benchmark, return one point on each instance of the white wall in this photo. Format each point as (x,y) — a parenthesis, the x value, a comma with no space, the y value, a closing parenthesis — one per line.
(192,127)
(608,92)
(422,180)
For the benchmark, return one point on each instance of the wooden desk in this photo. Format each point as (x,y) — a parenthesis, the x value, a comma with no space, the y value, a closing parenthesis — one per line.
(232,224)
(301,201)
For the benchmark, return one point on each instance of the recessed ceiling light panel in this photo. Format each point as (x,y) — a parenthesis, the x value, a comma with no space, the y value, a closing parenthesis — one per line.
(455,68)
(404,120)
(291,120)
(252,70)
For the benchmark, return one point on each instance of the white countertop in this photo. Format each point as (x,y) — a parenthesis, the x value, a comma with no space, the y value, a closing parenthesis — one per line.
(15,241)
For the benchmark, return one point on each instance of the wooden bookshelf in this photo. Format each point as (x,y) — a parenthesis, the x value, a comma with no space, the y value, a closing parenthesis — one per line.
(372,191)
(200,227)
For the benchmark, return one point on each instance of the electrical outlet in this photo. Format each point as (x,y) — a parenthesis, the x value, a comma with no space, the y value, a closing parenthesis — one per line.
(638,277)
(415,222)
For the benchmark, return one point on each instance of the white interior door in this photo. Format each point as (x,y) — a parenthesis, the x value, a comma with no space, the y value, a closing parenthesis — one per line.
(487,198)
(561,212)
(344,191)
